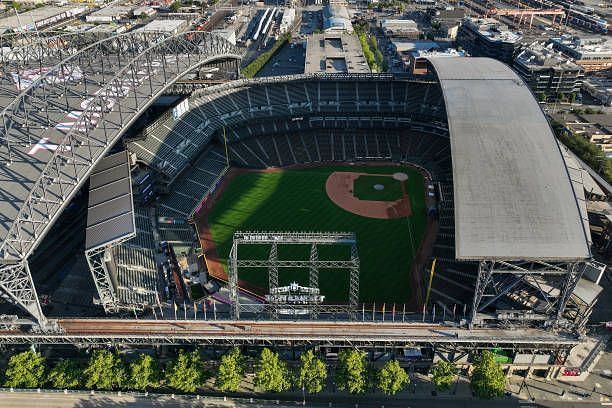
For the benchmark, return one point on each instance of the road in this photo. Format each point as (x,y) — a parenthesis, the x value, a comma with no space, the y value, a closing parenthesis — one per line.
(59,400)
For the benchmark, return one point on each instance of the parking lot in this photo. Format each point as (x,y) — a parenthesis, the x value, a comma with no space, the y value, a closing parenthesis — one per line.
(288,60)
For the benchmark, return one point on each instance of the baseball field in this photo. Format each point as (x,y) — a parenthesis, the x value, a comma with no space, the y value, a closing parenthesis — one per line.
(299,200)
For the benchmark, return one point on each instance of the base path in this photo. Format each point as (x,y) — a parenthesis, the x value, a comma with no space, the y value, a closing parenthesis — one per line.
(339,188)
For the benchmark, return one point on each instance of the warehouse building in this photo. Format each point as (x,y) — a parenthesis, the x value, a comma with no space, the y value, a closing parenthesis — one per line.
(109,14)
(165,26)
(394,27)
(39,18)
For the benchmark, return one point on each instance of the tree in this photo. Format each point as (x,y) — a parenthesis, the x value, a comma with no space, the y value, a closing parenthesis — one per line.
(313,373)
(186,373)
(65,374)
(443,373)
(175,6)
(258,63)
(105,371)
(144,373)
(488,379)
(231,371)
(350,371)
(25,370)
(272,374)
(392,378)
(371,378)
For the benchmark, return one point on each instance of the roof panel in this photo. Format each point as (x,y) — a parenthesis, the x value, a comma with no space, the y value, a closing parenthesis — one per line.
(513,195)
(110,213)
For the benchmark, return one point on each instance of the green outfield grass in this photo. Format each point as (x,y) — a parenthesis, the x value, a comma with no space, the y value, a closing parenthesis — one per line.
(363,188)
(295,200)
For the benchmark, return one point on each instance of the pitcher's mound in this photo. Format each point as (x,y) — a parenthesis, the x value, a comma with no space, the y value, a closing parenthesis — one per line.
(339,188)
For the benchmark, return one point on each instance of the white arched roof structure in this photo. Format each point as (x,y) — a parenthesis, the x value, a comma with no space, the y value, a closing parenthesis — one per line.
(514,197)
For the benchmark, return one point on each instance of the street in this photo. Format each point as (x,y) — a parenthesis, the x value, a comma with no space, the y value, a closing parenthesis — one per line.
(61,400)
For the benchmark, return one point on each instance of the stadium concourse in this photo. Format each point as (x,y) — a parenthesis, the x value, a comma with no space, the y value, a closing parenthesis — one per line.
(512,243)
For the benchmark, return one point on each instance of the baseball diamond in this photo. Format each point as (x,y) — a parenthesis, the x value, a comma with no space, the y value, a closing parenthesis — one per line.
(301,199)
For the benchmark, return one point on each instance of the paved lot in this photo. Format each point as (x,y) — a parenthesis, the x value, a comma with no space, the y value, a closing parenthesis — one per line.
(289,60)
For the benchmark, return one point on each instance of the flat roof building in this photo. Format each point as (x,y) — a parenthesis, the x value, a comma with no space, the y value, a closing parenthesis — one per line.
(165,26)
(599,88)
(39,18)
(592,53)
(394,27)
(550,75)
(334,53)
(109,14)
(487,37)
(448,21)
(144,11)
(287,20)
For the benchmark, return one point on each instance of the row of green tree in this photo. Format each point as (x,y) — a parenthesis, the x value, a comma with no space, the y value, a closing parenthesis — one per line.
(371,52)
(258,63)
(587,151)
(381,5)
(106,370)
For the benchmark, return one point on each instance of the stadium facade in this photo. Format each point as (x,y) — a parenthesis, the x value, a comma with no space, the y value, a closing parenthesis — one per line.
(513,241)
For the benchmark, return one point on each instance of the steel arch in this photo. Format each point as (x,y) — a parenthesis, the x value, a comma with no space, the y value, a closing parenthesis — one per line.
(119,77)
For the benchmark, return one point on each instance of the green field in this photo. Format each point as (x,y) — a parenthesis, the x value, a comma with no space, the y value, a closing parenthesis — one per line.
(363,188)
(295,200)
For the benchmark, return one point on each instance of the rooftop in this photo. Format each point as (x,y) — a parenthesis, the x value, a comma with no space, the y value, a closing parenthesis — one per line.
(394,23)
(37,15)
(539,55)
(513,196)
(406,46)
(492,29)
(164,26)
(112,11)
(336,17)
(584,47)
(334,53)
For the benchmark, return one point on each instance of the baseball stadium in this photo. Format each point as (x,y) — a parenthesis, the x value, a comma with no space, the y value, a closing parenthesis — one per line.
(134,186)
